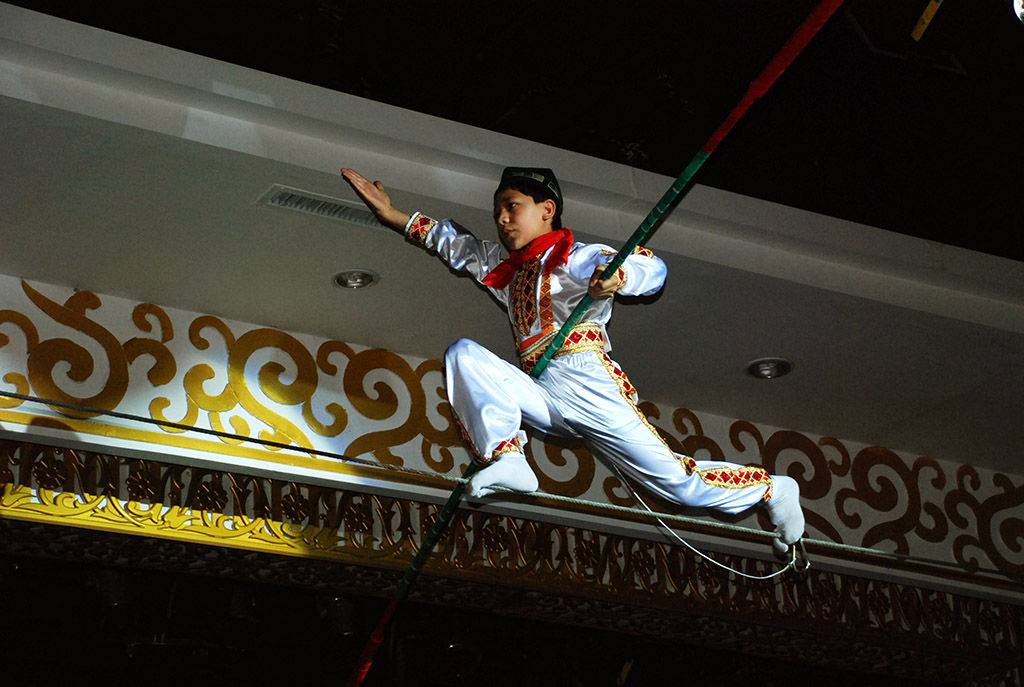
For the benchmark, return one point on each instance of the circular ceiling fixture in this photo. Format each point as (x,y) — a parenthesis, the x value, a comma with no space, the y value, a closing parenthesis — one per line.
(769,368)
(356,279)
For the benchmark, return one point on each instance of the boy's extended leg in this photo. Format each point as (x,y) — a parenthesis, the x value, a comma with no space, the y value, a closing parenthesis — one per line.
(715,484)
(491,399)
(597,400)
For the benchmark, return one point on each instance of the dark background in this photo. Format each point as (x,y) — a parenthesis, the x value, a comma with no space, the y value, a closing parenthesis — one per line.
(922,138)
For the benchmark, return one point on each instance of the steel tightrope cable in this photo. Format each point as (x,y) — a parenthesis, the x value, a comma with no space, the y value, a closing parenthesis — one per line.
(577,503)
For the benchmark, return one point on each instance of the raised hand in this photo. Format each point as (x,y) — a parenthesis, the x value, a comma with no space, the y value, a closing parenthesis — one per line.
(376,198)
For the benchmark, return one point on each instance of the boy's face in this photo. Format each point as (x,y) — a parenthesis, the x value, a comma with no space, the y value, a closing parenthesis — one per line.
(520,219)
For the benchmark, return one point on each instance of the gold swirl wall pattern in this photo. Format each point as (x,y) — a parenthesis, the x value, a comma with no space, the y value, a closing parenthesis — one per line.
(203,372)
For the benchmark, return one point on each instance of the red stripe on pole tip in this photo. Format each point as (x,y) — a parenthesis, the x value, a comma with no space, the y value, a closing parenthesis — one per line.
(797,42)
(372,645)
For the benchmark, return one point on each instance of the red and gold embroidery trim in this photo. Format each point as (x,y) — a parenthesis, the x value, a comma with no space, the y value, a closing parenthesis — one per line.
(513,445)
(522,299)
(524,302)
(737,478)
(547,317)
(628,392)
(583,337)
(420,228)
(731,478)
(638,250)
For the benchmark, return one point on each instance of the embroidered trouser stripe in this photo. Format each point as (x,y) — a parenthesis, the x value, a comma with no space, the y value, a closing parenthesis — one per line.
(737,478)
(586,395)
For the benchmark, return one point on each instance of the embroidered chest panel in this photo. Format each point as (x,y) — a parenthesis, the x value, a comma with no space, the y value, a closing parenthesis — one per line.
(527,300)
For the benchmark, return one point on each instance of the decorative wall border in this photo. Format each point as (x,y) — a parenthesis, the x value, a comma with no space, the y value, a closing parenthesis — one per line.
(112,354)
(646,586)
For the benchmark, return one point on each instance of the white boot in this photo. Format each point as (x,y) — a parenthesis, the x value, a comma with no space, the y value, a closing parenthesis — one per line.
(785,512)
(511,471)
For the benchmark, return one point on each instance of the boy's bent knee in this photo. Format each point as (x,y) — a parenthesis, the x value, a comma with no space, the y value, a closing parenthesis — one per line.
(460,348)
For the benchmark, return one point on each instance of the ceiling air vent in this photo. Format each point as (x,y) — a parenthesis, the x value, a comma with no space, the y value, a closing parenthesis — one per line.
(314,204)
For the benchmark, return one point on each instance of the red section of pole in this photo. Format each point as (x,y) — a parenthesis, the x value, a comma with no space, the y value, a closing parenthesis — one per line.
(444,516)
(372,645)
(758,88)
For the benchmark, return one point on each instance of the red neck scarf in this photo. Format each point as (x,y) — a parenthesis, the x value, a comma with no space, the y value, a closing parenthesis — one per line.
(561,239)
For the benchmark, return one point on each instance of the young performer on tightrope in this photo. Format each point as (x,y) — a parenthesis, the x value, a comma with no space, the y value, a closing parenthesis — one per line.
(582,393)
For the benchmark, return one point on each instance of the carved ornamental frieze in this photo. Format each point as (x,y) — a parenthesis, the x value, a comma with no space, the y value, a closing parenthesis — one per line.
(629,583)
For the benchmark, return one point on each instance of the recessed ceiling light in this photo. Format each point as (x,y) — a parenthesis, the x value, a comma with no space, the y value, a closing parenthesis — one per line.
(769,368)
(356,279)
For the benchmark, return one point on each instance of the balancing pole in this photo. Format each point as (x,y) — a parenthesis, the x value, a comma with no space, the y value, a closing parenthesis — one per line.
(402,591)
(758,88)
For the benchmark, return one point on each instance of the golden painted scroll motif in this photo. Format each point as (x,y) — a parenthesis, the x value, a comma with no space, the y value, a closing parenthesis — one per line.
(201,371)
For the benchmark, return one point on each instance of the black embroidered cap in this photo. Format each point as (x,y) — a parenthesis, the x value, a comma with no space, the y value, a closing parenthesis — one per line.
(540,175)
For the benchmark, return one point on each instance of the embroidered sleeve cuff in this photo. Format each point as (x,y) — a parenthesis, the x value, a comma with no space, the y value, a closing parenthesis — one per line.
(643,277)
(419,228)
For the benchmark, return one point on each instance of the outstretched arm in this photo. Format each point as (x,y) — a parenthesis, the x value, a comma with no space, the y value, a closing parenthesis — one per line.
(376,199)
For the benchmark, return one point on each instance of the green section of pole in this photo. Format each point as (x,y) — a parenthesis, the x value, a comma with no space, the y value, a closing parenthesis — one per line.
(441,522)
(645,228)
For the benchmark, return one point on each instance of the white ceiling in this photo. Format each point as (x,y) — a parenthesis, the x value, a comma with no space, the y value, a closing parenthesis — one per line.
(134,170)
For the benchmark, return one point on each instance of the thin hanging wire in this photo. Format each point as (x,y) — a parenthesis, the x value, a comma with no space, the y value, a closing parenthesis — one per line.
(538,495)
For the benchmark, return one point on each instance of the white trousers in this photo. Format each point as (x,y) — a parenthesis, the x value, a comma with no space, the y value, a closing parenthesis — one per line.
(586,395)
